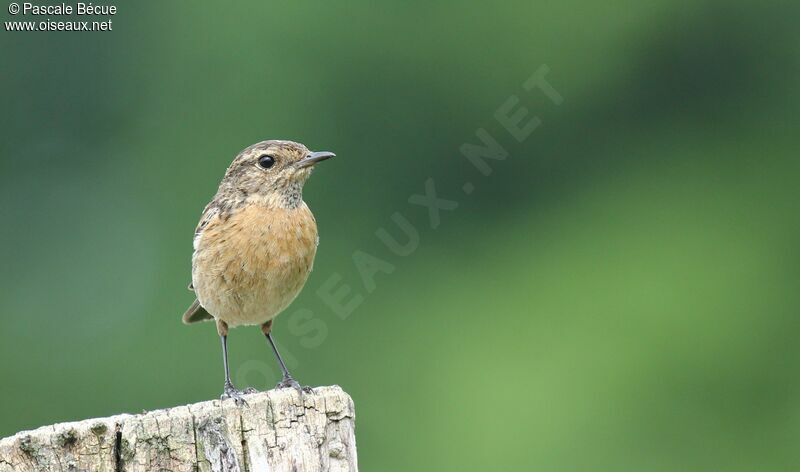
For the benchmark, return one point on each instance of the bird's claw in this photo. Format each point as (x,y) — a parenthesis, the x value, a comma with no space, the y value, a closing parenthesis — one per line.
(229,392)
(289,382)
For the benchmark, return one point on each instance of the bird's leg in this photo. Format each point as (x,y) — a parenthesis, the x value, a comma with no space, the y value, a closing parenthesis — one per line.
(228,390)
(287,380)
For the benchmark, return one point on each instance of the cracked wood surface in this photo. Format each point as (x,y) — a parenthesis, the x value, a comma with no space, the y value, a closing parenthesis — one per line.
(277,430)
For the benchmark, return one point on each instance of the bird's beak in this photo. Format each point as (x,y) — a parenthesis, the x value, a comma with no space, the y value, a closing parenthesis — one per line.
(315,157)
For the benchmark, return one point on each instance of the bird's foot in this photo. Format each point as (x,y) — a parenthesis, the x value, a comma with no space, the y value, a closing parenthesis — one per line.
(289,382)
(249,390)
(230,392)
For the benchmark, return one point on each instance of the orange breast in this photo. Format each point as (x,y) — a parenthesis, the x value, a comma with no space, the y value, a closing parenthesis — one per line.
(249,267)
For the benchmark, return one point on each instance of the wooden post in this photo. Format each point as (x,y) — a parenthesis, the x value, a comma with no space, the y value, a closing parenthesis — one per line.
(278,430)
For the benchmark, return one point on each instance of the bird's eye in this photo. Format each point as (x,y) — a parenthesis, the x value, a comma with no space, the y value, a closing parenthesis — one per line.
(266,161)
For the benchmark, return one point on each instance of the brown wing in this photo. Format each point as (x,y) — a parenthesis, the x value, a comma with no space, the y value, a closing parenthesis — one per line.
(196,312)
(209,212)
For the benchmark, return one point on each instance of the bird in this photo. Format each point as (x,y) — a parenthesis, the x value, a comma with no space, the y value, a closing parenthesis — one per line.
(254,246)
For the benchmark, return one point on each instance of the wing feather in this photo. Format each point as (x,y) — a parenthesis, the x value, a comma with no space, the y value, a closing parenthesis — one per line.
(196,312)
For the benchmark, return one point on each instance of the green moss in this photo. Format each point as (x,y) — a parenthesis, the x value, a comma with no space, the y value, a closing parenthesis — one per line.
(26,445)
(126,452)
(67,438)
(99,428)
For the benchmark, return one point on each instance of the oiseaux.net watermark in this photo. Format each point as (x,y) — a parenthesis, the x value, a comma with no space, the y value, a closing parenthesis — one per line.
(79,16)
(343,297)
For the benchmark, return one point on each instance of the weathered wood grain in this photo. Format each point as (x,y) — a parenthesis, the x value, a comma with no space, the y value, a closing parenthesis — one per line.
(278,430)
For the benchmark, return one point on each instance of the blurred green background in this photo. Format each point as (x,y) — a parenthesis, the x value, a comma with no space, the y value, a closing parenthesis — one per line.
(621,293)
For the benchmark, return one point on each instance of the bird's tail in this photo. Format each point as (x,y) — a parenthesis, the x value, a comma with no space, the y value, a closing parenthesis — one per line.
(196,313)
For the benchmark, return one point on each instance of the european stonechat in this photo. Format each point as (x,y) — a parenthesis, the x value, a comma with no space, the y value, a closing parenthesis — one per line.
(255,244)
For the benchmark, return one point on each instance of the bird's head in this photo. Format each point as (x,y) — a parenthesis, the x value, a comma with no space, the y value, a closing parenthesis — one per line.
(273,171)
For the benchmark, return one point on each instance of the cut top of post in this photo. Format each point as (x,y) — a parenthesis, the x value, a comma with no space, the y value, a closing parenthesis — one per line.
(276,430)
